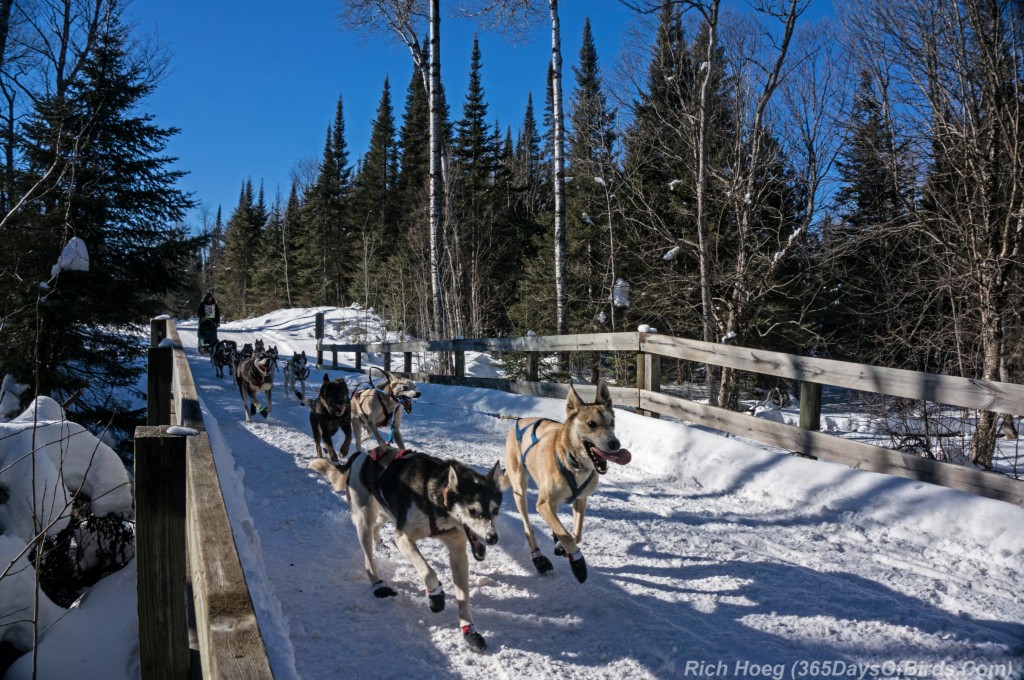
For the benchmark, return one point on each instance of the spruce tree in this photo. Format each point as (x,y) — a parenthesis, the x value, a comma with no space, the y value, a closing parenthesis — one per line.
(474,243)
(114,188)
(373,203)
(242,237)
(591,155)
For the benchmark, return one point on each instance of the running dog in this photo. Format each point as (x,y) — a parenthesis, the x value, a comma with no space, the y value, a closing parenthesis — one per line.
(328,413)
(424,497)
(565,461)
(296,369)
(223,355)
(254,375)
(377,407)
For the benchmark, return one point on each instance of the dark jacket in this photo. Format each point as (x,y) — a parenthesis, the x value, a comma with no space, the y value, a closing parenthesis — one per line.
(203,311)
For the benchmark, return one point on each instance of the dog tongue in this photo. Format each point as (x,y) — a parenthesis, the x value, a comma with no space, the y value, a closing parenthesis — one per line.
(479,549)
(621,457)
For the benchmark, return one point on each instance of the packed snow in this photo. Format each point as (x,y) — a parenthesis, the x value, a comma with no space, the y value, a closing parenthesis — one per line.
(709,556)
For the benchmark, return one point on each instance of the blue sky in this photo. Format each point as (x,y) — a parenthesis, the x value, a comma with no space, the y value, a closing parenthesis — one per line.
(253,84)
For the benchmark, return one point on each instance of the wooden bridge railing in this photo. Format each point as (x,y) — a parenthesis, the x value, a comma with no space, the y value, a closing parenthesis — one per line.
(183,536)
(812,373)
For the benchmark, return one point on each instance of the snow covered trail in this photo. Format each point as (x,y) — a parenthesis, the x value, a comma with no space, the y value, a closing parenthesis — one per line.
(707,556)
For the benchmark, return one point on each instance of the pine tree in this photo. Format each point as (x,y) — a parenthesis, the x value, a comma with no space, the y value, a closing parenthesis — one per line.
(373,203)
(117,193)
(474,244)
(862,248)
(591,155)
(326,275)
(242,238)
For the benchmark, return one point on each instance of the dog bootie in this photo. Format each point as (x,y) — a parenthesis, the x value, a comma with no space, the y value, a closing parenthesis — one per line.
(542,563)
(380,591)
(252,409)
(436,597)
(263,411)
(578,566)
(474,640)
(559,550)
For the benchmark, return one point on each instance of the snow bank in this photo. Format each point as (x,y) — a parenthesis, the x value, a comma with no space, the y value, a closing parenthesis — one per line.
(17,593)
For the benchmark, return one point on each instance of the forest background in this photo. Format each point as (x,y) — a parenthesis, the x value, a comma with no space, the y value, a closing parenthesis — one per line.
(744,173)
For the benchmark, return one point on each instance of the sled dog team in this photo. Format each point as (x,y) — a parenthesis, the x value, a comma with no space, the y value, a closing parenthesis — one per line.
(424,496)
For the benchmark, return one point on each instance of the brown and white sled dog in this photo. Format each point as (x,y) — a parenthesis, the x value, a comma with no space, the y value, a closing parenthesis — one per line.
(378,407)
(254,375)
(424,497)
(565,461)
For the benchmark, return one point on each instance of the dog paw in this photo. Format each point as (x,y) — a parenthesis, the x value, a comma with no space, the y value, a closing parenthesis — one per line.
(578,566)
(542,563)
(559,550)
(436,598)
(380,591)
(474,640)
(264,412)
(252,409)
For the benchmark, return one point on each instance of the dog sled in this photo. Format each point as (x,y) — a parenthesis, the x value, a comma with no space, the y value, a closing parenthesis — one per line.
(207,336)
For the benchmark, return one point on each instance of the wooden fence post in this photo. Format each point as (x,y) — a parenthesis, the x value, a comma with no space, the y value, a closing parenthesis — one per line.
(408,362)
(318,333)
(648,377)
(159,375)
(532,365)
(460,364)
(810,406)
(359,360)
(334,359)
(160,553)
(387,361)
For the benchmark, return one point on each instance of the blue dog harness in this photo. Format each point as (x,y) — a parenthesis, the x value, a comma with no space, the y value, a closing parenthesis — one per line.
(570,478)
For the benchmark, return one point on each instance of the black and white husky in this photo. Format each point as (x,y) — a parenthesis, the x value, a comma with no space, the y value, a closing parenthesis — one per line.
(424,497)
(296,369)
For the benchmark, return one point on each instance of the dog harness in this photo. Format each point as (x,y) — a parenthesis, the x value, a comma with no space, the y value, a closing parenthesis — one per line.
(568,475)
(389,416)
(380,467)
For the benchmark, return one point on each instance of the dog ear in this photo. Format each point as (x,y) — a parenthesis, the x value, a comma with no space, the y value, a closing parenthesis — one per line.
(573,403)
(327,378)
(500,476)
(604,395)
(453,479)
(303,354)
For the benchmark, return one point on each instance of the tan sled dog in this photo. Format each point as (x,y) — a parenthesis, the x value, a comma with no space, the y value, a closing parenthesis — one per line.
(564,460)
(378,407)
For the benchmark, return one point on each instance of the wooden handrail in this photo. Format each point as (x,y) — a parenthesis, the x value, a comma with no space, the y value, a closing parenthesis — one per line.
(811,371)
(230,643)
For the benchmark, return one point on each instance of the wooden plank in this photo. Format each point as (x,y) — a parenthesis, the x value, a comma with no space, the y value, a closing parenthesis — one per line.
(621,396)
(943,389)
(230,643)
(160,553)
(828,447)
(586,342)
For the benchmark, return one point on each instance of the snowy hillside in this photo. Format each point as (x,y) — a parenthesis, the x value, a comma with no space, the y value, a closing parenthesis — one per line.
(708,556)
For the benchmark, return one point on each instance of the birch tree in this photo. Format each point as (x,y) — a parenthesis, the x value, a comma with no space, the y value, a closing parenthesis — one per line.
(404,18)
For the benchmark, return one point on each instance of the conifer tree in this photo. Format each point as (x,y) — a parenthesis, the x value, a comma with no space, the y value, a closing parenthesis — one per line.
(373,205)
(864,248)
(591,157)
(242,238)
(118,195)
(473,243)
